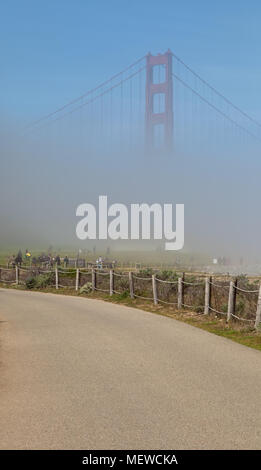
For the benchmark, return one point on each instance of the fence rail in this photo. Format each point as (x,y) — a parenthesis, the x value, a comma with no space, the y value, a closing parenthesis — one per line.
(203,295)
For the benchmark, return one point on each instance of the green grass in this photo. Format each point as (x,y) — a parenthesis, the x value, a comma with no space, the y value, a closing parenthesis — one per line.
(248,337)
(233,331)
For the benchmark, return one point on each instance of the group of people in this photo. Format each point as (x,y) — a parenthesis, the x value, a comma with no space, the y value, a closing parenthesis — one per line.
(48,260)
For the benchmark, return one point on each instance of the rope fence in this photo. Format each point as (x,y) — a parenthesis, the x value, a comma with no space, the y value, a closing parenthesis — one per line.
(237,300)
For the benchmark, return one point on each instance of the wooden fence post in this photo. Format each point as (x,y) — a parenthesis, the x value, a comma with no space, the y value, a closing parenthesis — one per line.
(93,280)
(16,275)
(111,282)
(207,295)
(56,278)
(231,299)
(77,279)
(154,289)
(258,310)
(180,292)
(131,285)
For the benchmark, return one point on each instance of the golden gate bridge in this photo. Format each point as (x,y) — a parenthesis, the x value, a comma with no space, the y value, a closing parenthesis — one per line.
(156,103)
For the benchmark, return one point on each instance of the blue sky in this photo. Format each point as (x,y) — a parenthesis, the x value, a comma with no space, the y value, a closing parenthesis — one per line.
(52,51)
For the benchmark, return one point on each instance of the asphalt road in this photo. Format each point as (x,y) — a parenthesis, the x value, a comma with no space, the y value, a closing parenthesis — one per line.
(86,374)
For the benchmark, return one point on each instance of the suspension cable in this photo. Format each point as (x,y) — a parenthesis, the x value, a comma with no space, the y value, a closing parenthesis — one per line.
(216,91)
(215,108)
(79,98)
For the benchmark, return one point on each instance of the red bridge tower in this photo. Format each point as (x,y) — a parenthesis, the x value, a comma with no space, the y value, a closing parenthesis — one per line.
(159,91)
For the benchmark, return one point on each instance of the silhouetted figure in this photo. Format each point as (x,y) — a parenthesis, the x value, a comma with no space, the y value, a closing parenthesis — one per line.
(58,260)
(19,258)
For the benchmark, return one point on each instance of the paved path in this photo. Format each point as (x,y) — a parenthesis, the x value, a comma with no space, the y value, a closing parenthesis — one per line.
(79,374)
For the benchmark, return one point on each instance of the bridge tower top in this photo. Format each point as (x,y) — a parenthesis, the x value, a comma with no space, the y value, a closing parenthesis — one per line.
(159,100)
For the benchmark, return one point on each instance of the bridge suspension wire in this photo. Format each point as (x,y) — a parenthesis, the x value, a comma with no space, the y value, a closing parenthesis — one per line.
(213,89)
(120,114)
(239,126)
(92,100)
(84,95)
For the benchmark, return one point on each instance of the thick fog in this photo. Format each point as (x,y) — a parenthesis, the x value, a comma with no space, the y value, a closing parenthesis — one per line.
(55,157)
(45,177)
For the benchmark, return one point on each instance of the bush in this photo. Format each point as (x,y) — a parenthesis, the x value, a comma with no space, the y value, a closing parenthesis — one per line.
(146,272)
(44,280)
(30,283)
(167,275)
(86,288)
(40,281)
(240,307)
(122,296)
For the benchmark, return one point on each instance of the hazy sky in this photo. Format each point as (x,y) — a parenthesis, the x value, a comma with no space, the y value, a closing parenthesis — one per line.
(53,51)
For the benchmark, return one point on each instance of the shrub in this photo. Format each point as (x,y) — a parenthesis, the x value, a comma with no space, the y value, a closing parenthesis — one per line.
(30,283)
(167,275)
(240,307)
(122,295)
(86,288)
(146,272)
(44,280)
